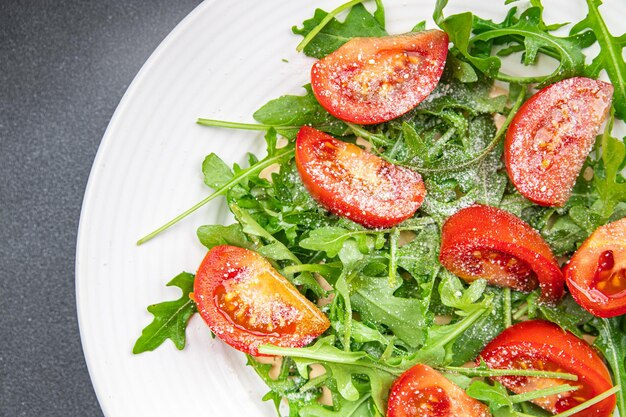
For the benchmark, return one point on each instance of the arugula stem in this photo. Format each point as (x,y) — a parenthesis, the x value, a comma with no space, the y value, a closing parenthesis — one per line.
(474,372)
(563,54)
(507,308)
(314,382)
(238,125)
(330,16)
(389,349)
(546,392)
(589,403)
(464,325)
(342,290)
(393,258)
(258,167)
(490,147)
(321,357)
(365,134)
(520,312)
(425,221)
(319,268)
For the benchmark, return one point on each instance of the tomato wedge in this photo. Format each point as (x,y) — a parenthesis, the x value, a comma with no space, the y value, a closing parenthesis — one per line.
(373,80)
(424,392)
(356,184)
(247,303)
(490,243)
(552,134)
(596,274)
(544,346)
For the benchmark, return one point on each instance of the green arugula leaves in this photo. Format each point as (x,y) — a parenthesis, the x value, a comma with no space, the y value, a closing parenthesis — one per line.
(391,304)
(358,23)
(610,57)
(170,318)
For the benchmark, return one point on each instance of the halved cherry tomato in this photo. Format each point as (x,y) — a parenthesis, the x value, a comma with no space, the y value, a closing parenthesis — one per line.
(373,80)
(423,392)
(596,274)
(490,243)
(356,184)
(544,346)
(552,134)
(247,303)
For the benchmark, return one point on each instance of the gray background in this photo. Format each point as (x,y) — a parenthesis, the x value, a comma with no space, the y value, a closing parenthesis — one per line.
(64,66)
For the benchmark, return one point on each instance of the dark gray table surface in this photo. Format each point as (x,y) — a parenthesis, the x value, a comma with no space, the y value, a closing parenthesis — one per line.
(64,66)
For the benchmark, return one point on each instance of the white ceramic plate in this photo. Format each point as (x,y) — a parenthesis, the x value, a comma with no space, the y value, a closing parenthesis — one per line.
(225,60)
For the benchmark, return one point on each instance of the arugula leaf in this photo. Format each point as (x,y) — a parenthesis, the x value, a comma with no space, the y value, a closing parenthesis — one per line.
(465,301)
(496,395)
(611,342)
(420,257)
(609,58)
(568,314)
(216,172)
(358,23)
(170,318)
(374,299)
(503,404)
(215,235)
(288,113)
(331,239)
(607,175)
(437,349)
(528,33)
(344,366)
(341,408)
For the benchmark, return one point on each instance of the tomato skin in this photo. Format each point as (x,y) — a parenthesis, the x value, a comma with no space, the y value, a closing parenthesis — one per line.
(374,80)
(551,135)
(424,392)
(605,297)
(247,303)
(539,344)
(471,232)
(356,184)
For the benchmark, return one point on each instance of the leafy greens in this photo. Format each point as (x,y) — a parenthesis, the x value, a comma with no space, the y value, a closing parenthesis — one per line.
(388,291)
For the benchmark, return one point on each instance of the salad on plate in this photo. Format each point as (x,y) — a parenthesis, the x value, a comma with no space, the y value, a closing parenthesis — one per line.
(428,233)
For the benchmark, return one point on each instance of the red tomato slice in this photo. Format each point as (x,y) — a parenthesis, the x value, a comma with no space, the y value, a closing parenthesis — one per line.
(247,303)
(490,243)
(373,80)
(423,392)
(353,183)
(596,274)
(552,134)
(542,345)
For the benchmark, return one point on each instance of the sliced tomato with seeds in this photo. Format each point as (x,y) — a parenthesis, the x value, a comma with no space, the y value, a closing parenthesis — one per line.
(544,346)
(424,392)
(353,183)
(596,273)
(493,244)
(374,80)
(247,303)
(551,135)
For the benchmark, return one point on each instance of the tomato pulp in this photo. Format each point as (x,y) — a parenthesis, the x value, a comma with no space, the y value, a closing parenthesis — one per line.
(247,303)
(544,346)
(424,392)
(551,135)
(596,274)
(356,184)
(374,80)
(490,243)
